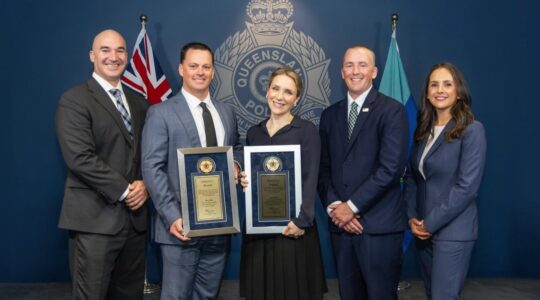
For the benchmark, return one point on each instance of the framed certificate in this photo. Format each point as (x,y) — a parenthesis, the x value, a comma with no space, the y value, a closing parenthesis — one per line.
(207,191)
(274,194)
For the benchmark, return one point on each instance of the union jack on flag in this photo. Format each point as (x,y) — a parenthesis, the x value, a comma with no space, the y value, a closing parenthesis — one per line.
(143,73)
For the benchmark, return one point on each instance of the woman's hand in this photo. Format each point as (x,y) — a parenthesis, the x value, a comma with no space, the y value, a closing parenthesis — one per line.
(418,229)
(293,231)
(243,181)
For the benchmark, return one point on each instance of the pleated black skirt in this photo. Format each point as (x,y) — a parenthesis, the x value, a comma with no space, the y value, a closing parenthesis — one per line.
(277,267)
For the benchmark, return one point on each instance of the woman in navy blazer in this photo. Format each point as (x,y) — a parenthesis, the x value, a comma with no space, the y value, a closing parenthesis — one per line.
(443,178)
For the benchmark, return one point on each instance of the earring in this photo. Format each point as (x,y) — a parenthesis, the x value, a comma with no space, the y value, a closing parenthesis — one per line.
(295,103)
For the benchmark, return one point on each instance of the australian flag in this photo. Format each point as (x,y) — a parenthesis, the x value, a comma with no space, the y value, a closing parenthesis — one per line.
(143,73)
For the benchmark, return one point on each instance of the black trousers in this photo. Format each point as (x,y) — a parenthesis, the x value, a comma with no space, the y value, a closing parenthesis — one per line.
(108,266)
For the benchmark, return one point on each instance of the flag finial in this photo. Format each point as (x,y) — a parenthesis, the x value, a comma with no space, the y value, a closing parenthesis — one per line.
(143,19)
(394,19)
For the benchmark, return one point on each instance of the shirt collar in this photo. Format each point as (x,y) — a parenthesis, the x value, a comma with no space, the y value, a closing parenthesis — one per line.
(193,102)
(105,84)
(360,99)
(294,123)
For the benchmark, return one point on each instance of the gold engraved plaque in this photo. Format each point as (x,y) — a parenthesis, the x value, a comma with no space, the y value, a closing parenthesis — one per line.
(273,197)
(208,198)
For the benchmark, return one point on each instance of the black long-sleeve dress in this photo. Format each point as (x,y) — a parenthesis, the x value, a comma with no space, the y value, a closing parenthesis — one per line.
(274,266)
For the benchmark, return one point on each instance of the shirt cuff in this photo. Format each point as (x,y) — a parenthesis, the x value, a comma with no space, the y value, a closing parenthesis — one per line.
(353,207)
(329,210)
(124,195)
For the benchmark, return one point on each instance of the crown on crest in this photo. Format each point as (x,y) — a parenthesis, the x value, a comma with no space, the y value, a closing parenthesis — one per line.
(269,16)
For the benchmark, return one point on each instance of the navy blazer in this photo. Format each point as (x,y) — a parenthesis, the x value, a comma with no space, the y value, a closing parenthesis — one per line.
(367,168)
(445,199)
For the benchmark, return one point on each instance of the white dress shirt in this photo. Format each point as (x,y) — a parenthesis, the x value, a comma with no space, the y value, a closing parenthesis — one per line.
(196,111)
(107,87)
(432,138)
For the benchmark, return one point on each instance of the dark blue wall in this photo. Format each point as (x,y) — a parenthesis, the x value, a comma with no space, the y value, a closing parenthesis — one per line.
(45,47)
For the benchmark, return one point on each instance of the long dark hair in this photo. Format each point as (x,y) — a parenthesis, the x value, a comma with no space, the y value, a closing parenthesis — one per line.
(461,111)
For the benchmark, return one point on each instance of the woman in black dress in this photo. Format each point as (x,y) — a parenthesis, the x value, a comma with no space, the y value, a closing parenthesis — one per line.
(287,265)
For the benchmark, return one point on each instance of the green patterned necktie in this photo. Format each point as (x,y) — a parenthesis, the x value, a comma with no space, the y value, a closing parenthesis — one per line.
(353,115)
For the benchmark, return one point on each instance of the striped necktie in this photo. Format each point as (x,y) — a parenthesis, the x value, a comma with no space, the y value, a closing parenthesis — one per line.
(353,115)
(122,110)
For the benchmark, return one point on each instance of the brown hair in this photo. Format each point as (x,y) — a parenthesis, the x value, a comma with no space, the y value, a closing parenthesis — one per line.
(461,111)
(289,72)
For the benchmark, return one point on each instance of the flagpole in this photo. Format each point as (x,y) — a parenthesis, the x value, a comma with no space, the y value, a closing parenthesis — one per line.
(394,19)
(149,288)
(402,284)
(143,19)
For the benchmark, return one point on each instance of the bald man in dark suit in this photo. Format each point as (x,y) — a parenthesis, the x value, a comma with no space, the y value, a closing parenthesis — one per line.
(99,125)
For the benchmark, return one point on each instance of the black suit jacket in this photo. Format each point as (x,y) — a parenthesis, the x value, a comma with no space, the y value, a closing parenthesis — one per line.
(101,159)
(367,168)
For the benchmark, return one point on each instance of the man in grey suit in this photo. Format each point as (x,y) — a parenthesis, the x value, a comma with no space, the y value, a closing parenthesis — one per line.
(192,267)
(99,125)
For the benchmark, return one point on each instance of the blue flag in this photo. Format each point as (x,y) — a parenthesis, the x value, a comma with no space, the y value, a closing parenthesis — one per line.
(394,84)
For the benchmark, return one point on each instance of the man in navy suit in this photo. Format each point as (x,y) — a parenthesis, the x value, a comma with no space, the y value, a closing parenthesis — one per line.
(192,267)
(364,144)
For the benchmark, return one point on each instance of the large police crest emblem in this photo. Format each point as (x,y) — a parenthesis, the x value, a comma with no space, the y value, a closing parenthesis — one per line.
(245,61)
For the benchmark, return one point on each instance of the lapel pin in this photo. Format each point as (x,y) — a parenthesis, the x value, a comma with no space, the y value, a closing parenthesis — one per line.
(365,109)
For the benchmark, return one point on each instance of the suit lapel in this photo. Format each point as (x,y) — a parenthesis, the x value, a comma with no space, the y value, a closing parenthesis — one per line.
(440,139)
(419,152)
(362,117)
(136,119)
(341,119)
(182,111)
(224,120)
(103,98)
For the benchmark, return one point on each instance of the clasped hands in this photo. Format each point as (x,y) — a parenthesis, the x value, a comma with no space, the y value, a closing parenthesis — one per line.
(137,195)
(344,218)
(418,229)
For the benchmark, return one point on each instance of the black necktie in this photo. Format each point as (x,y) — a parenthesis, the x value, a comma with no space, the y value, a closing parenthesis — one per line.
(209,130)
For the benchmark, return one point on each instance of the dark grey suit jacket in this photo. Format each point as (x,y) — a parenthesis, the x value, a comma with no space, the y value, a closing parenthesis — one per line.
(101,159)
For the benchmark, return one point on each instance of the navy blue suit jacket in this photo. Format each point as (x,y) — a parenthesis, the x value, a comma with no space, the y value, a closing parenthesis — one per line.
(445,199)
(367,168)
